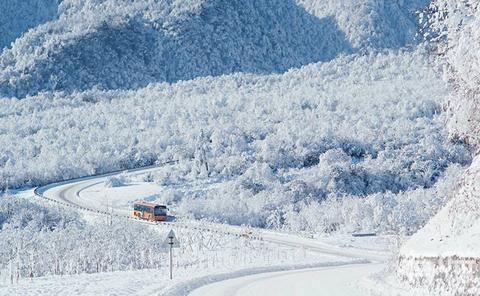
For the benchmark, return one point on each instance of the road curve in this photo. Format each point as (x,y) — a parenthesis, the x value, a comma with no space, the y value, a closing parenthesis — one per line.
(328,281)
(68,193)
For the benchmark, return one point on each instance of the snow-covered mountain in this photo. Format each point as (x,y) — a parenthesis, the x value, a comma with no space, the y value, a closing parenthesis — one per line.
(372,23)
(365,133)
(124,44)
(300,115)
(130,44)
(349,92)
(17,17)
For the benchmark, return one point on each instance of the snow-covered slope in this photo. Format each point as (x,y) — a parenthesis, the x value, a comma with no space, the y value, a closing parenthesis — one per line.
(125,44)
(130,44)
(444,255)
(455,231)
(314,136)
(372,23)
(16,17)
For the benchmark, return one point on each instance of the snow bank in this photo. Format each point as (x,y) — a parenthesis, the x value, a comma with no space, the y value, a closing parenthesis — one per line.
(455,231)
(445,254)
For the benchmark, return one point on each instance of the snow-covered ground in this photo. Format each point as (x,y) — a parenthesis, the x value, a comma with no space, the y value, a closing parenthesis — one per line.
(145,282)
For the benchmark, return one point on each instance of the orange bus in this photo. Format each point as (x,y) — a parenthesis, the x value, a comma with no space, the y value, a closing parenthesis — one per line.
(149,211)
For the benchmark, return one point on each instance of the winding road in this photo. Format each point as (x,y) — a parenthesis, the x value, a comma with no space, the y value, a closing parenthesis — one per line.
(329,281)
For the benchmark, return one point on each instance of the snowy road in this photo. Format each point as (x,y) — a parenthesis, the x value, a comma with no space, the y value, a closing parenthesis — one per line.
(319,281)
(328,281)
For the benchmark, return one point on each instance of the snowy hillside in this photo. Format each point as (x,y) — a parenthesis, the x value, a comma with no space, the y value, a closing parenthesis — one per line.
(130,44)
(373,129)
(455,231)
(354,123)
(127,46)
(444,256)
(16,17)
(372,23)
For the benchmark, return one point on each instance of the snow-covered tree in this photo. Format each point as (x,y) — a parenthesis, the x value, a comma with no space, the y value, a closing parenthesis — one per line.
(201,154)
(455,30)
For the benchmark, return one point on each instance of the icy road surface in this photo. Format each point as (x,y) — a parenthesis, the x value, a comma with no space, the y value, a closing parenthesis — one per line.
(328,281)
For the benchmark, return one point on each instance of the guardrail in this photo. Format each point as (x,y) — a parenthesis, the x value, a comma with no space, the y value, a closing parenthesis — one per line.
(39,192)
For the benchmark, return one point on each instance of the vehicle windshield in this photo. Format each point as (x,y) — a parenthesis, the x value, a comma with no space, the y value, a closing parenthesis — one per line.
(160,211)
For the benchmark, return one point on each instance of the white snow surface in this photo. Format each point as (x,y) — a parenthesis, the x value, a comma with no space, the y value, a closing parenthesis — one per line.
(455,230)
(145,282)
(339,281)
